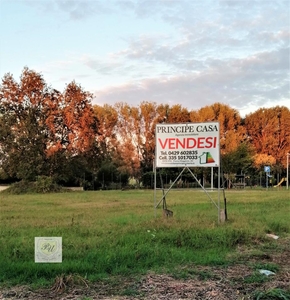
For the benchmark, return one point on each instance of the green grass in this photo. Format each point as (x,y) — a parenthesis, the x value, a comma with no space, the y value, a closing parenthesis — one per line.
(272,294)
(120,233)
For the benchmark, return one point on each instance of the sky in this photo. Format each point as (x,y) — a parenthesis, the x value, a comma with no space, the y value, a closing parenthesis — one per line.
(188,52)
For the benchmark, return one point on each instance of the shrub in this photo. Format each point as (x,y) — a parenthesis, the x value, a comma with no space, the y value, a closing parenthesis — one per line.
(43,184)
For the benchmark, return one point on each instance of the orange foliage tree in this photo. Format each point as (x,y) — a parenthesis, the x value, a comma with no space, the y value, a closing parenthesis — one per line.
(106,118)
(38,122)
(42,130)
(136,134)
(268,131)
(128,153)
(78,118)
(177,114)
(24,133)
(232,133)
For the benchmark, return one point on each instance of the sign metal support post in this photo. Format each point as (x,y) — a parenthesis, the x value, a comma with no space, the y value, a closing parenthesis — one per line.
(154,170)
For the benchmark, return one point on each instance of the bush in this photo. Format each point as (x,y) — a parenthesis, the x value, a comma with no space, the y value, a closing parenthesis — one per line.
(43,184)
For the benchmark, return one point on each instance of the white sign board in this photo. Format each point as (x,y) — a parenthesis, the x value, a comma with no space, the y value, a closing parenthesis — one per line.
(48,249)
(187,144)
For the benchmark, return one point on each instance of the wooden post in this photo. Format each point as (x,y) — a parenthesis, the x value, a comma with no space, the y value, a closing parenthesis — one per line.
(225,206)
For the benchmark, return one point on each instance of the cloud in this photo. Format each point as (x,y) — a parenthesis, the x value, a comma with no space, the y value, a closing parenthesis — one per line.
(185,52)
(76,10)
(99,65)
(148,8)
(80,9)
(222,30)
(238,82)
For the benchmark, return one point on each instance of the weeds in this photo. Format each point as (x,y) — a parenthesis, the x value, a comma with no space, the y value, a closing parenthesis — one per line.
(256,278)
(273,294)
(189,273)
(267,266)
(63,281)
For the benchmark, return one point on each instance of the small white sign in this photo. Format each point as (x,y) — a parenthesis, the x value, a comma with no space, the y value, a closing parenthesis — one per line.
(48,249)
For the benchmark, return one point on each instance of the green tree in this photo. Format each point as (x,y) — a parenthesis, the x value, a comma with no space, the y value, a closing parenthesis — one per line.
(238,161)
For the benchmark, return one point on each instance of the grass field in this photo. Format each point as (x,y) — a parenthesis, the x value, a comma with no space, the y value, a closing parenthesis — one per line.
(108,233)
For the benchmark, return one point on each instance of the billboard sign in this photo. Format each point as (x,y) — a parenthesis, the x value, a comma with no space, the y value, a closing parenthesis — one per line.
(187,145)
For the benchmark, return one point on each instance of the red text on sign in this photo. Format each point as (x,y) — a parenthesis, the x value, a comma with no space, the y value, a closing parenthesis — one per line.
(188,143)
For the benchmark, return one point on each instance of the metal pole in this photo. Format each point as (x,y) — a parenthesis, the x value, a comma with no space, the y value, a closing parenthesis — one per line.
(154,170)
(211,178)
(287,182)
(164,195)
(219,197)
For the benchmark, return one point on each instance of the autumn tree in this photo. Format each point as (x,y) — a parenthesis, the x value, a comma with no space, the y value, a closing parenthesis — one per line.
(40,128)
(136,132)
(24,133)
(109,163)
(127,156)
(177,114)
(106,118)
(78,130)
(151,114)
(47,132)
(261,160)
(232,133)
(268,131)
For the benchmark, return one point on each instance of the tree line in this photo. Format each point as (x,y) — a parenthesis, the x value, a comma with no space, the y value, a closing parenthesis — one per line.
(62,135)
